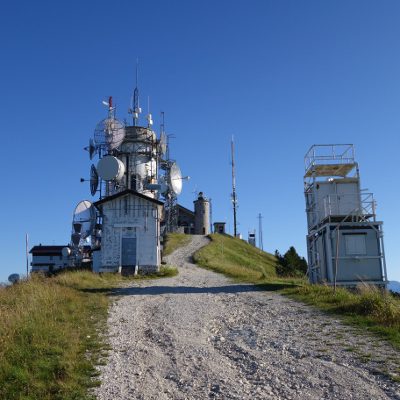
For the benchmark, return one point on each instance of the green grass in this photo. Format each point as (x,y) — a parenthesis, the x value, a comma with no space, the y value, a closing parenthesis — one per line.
(50,334)
(174,241)
(237,259)
(368,307)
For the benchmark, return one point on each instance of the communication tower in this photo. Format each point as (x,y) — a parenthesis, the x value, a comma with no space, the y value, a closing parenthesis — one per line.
(132,175)
(344,241)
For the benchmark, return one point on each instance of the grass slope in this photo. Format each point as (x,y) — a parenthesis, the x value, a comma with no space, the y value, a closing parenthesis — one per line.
(50,334)
(237,259)
(174,241)
(368,307)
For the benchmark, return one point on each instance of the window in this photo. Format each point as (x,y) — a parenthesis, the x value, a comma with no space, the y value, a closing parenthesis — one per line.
(356,244)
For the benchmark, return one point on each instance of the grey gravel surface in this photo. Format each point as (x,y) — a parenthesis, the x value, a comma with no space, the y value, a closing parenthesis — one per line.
(199,336)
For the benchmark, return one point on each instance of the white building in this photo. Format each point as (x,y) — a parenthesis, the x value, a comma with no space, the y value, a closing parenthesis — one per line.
(130,233)
(48,258)
(344,241)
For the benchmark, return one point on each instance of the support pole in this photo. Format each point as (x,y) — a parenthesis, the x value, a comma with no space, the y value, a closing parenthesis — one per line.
(234,199)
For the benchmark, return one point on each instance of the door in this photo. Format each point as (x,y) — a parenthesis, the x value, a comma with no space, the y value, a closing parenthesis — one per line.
(128,250)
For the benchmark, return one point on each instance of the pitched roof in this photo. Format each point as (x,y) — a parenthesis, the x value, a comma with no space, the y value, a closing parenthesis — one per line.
(125,192)
(47,249)
(185,209)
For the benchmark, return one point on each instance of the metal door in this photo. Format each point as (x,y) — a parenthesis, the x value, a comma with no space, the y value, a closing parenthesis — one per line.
(128,249)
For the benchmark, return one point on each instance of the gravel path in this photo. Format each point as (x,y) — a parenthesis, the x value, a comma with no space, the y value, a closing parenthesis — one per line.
(199,336)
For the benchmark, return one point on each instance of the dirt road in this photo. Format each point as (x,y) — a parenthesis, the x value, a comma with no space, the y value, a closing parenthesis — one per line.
(199,336)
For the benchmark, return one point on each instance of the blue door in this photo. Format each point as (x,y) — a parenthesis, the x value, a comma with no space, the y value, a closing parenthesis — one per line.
(128,248)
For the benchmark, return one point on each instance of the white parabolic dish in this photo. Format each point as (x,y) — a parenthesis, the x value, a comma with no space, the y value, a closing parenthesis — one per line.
(109,133)
(85,215)
(110,168)
(175,179)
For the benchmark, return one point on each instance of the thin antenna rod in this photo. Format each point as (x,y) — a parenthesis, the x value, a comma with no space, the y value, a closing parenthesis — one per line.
(136,107)
(234,198)
(27,255)
(260,232)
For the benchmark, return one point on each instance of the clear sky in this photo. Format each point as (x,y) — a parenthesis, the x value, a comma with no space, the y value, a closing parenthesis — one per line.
(278,75)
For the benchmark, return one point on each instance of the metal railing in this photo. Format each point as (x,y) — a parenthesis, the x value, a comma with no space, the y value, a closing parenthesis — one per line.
(329,154)
(337,205)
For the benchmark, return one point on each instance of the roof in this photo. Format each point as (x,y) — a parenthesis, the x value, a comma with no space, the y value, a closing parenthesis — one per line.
(185,209)
(124,193)
(47,249)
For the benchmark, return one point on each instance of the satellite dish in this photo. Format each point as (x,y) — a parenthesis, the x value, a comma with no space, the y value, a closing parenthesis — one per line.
(109,133)
(85,215)
(162,146)
(91,148)
(94,180)
(66,251)
(110,168)
(13,278)
(175,179)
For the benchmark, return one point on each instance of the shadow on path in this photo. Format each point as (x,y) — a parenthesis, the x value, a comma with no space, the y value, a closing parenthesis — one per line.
(158,290)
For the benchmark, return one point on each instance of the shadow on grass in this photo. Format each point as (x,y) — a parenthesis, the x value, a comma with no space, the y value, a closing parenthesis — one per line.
(275,286)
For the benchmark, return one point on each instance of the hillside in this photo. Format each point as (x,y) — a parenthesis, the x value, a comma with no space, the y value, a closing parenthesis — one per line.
(237,259)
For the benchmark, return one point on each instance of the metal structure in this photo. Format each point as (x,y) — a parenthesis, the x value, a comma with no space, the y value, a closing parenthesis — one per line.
(344,241)
(234,197)
(260,232)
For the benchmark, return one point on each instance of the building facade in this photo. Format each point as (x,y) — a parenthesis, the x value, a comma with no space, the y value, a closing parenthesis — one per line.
(130,239)
(344,241)
(48,259)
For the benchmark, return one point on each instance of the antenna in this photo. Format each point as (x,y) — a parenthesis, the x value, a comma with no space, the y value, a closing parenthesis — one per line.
(27,255)
(234,198)
(149,118)
(211,223)
(260,233)
(135,109)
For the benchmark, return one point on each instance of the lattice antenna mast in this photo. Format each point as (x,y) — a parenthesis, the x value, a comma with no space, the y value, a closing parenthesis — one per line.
(260,232)
(234,197)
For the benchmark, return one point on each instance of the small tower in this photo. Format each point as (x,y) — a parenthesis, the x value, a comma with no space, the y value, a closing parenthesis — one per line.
(344,241)
(201,215)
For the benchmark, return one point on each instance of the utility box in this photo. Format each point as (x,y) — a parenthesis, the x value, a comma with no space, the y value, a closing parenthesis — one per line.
(344,241)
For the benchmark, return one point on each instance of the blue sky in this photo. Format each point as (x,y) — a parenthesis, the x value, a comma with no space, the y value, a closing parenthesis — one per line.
(278,75)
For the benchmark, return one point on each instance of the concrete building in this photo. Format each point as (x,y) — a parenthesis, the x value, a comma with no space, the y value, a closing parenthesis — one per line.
(201,215)
(344,241)
(252,238)
(130,233)
(48,258)
(219,227)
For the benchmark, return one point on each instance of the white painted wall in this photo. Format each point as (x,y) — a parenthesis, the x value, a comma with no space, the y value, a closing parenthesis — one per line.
(130,216)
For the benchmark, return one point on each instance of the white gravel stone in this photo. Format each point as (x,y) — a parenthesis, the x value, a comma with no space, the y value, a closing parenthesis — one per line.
(198,336)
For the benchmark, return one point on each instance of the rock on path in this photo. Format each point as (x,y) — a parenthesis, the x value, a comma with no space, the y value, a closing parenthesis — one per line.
(199,336)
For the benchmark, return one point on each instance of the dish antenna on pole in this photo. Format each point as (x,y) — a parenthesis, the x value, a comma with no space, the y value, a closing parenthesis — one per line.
(109,132)
(14,278)
(94,180)
(175,179)
(84,219)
